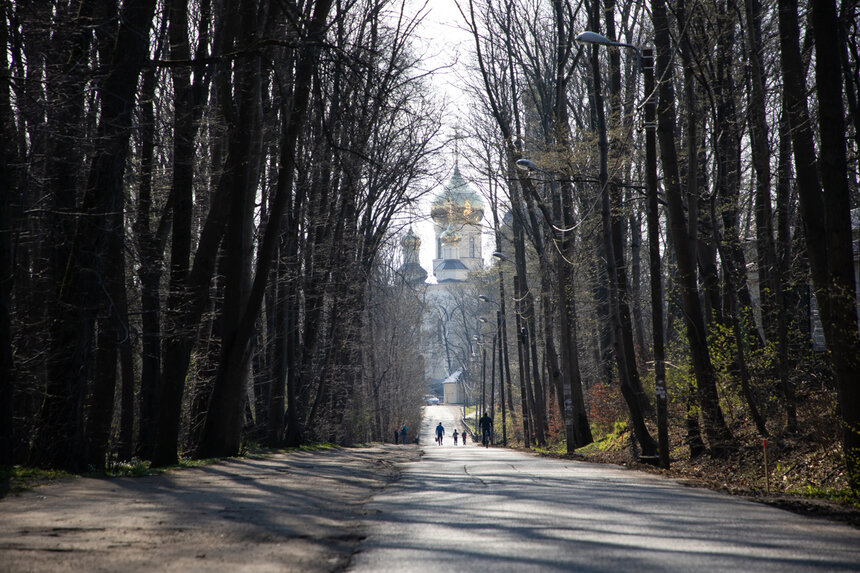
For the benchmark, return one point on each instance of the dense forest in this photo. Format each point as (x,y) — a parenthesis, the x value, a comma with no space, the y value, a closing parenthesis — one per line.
(201,204)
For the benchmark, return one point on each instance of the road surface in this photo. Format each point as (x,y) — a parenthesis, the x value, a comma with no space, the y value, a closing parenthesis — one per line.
(489,510)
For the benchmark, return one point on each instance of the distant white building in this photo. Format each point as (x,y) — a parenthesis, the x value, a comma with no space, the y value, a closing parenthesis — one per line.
(453,388)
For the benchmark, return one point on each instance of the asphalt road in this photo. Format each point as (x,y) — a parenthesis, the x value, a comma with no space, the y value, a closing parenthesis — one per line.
(489,510)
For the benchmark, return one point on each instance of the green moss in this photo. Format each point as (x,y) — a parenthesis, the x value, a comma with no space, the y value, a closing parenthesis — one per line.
(317,447)
(609,442)
(557,448)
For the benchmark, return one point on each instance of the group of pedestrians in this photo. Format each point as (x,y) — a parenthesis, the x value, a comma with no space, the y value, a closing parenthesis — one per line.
(485,424)
(440,433)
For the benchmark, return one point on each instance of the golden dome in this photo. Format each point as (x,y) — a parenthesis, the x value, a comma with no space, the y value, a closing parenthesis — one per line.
(457,203)
(410,240)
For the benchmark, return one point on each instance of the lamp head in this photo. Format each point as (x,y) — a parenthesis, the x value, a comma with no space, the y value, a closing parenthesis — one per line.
(526,165)
(595,38)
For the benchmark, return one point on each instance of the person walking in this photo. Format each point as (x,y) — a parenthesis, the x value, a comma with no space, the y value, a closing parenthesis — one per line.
(403,432)
(440,431)
(456,435)
(486,424)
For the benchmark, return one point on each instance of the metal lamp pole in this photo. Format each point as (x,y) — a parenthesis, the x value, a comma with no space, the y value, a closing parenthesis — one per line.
(501,378)
(483,382)
(645,64)
(501,338)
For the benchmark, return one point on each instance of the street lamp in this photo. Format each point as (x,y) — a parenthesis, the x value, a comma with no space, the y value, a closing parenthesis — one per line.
(645,65)
(589,37)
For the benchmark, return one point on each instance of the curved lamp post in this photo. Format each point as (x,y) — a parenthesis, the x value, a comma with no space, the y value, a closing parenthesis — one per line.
(645,65)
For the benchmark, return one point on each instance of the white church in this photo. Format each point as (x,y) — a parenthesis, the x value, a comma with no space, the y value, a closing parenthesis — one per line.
(450,321)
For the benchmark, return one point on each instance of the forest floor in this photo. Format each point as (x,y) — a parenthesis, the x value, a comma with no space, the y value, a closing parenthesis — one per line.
(804,475)
(293,511)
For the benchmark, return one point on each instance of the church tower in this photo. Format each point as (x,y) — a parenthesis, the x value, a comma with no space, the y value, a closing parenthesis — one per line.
(411,270)
(457,213)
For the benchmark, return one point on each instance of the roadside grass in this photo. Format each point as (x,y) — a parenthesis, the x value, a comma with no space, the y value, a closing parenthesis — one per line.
(141,468)
(841,496)
(15,479)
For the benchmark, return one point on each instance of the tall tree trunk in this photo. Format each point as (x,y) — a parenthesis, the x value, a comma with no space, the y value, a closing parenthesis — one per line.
(149,275)
(653,218)
(6,373)
(769,285)
(189,288)
(840,327)
(94,247)
(61,412)
(106,185)
(572,402)
(617,218)
(788,294)
(716,431)
(620,320)
(225,415)
(522,358)
(224,440)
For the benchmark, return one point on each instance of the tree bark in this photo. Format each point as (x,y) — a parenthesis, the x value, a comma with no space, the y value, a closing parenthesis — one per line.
(620,322)
(769,284)
(716,431)
(149,274)
(6,373)
(840,327)
(95,246)
(216,441)
(577,429)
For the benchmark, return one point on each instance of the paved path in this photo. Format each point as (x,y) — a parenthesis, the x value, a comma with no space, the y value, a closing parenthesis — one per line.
(489,510)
